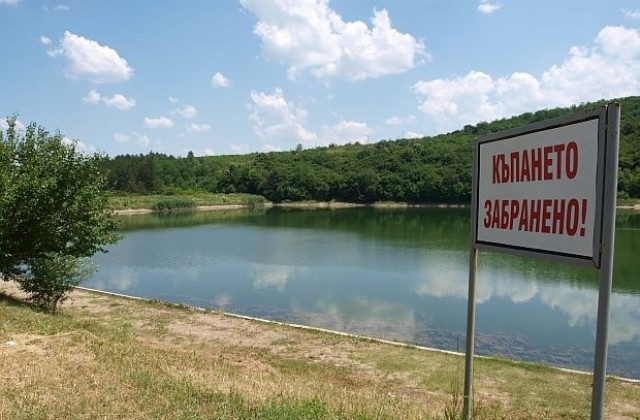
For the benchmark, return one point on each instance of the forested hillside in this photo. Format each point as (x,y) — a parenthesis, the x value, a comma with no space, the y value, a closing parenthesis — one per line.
(427,170)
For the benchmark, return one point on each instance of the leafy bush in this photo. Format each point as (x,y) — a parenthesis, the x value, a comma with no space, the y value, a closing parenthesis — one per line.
(173,204)
(255,201)
(53,212)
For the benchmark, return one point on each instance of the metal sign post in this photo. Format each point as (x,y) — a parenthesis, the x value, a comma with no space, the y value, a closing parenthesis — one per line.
(606,268)
(467,403)
(548,190)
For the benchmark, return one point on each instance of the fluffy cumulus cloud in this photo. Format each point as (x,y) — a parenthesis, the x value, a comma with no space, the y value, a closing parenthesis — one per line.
(45,40)
(633,14)
(346,132)
(121,137)
(218,80)
(93,97)
(488,7)
(159,122)
(412,135)
(194,128)
(117,101)
(274,118)
(284,123)
(609,69)
(88,59)
(309,35)
(187,111)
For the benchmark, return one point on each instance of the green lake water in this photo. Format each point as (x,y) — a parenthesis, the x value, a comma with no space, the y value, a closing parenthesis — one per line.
(398,274)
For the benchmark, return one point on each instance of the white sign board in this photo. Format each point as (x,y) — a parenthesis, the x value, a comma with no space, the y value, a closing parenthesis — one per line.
(549,190)
(538,191)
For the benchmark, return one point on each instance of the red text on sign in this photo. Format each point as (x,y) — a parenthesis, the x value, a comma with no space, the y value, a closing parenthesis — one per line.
(548,215)
(558,161)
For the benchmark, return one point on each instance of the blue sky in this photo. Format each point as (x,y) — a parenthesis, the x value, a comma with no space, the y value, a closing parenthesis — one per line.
(238,76)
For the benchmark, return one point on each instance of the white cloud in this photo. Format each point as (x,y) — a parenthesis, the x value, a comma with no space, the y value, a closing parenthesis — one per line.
(61,8)
(346,132)
(121,137)
(395,120)
(88,59)
(45,40)
(632,14)
(117,101)
(609,69)
(197,128)
(275,118)
(10,2)
(487,7)
(80,146)
(412,135)
(208,152)
(160,122)
(173,100)
(619,42)
(187,111)
(311,36)
(143,139)
(219,80)
(19,124)
(93,97)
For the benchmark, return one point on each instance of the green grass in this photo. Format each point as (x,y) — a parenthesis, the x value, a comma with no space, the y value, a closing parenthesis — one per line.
(159,202)
(174,204)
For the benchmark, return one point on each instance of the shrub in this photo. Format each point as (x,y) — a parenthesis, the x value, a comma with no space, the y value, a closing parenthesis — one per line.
(53,212)
(173,204)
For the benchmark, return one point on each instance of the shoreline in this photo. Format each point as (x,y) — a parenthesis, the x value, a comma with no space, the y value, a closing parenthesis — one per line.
(334,205)
(303,327)
(113,355)
(320,205)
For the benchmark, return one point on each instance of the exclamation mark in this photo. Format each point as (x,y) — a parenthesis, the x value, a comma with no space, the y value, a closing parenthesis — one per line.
(584,216)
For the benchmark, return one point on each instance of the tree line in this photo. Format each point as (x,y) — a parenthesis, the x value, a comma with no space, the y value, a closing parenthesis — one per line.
(427,170)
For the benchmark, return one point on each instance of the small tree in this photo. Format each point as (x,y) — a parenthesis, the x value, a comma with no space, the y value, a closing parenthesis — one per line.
(53,212)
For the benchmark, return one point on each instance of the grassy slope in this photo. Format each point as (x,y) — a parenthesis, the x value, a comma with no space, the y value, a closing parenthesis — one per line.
(149,201)
(107,357)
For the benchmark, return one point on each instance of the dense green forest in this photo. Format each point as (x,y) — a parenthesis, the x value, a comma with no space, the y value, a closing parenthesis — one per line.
(426,170)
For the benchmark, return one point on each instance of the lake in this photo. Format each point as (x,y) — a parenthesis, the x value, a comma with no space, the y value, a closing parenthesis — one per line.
(397,274)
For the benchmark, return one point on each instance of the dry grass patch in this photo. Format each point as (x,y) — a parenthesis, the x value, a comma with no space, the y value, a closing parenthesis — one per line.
(108,357)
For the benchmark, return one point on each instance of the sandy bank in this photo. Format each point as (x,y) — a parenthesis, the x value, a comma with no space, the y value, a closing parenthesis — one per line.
(322,205)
